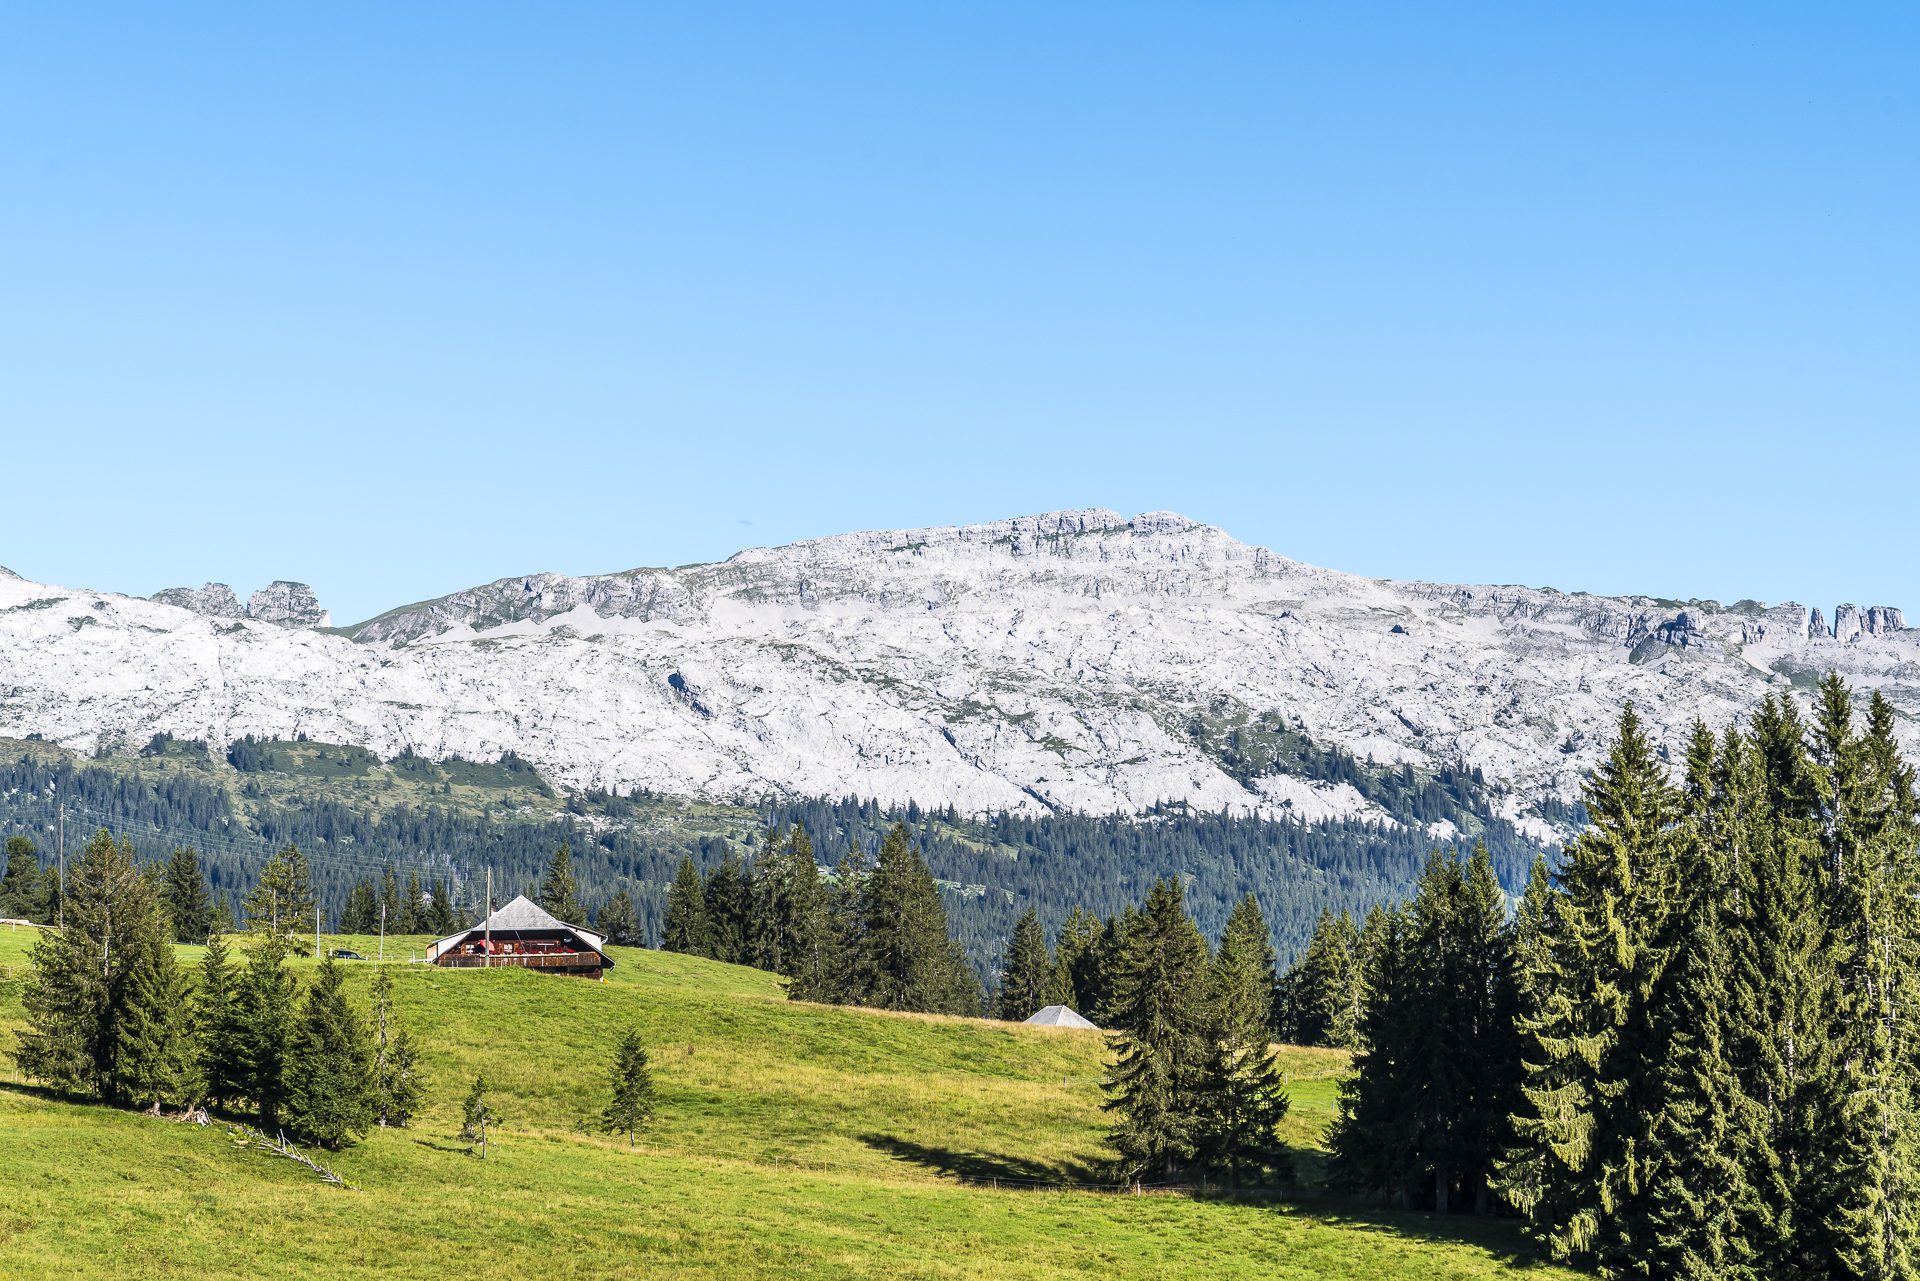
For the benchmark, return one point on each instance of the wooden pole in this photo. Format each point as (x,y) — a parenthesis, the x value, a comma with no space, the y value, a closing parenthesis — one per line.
(488,963)
(383,935)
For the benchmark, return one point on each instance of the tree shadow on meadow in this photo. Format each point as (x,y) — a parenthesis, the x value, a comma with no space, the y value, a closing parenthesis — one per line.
(966,1164)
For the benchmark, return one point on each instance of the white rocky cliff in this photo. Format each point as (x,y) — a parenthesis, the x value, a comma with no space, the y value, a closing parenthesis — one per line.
(1060,660)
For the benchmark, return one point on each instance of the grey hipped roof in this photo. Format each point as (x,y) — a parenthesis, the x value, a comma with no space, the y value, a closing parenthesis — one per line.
(522,915)
(1059,1016)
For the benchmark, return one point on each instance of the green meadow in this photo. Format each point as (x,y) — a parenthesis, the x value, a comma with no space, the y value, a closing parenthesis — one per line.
(792,1140)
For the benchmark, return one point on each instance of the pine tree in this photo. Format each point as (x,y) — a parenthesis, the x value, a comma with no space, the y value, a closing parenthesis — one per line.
(618,923)
(1328,984)
(1028,972)
(20,886)
(787,902)
(329,1069)
(219,1027)
(267,1009)
(1074,955)
(1160,1041)
(1240,1097)
(632,1104)
(686,924)
(1588,1102)
(559,892)
(80,972)
(282,900)
(392,904)
(399,1085)
(189,906)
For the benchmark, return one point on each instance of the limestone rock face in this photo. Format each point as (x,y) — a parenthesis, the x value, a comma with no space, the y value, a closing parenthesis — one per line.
(1817,626)
(287,604)
(1076,660)
(215,600)
(1882,619)
(1846,623)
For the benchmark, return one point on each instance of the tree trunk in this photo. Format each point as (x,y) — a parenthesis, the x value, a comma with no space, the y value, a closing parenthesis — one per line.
(1440,1190)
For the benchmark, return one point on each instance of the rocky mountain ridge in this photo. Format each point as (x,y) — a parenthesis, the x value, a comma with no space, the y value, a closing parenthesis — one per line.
(1075,660)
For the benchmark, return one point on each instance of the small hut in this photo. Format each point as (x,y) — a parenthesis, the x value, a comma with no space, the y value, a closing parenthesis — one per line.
(524,934)
(1058,1016)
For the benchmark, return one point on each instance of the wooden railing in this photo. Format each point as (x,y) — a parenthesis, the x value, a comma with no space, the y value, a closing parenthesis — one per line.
(532,960)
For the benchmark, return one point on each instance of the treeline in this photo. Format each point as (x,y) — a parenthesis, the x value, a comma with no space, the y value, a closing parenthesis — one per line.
(1692,1050)
(112,1013)
(990,870)
(874,934)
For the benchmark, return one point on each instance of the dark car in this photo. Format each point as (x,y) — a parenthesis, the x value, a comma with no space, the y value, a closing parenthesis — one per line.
(341,954)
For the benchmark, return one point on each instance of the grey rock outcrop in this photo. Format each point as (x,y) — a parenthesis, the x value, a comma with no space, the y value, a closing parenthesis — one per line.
(1885,619)
(1686,632)
(287,604)
(1846,623)
(215,600)
(1816,625)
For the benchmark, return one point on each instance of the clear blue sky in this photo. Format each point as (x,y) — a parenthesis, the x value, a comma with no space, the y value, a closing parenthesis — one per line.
(394,299)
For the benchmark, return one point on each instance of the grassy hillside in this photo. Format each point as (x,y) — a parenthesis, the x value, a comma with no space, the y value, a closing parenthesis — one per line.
(792,1140)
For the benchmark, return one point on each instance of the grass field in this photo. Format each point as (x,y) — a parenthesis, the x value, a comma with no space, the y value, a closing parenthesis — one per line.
(793,1140)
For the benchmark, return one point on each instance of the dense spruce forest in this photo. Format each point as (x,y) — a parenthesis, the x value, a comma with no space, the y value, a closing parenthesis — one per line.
(458,818)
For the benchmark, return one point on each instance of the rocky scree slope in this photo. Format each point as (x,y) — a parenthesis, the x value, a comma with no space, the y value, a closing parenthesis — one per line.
(1075,660)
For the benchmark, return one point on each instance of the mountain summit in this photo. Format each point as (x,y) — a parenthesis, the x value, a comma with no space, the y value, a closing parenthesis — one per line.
(1075,660)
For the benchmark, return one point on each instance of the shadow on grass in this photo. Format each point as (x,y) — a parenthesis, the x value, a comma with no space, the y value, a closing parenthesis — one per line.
(1499,1235)
(982,1165)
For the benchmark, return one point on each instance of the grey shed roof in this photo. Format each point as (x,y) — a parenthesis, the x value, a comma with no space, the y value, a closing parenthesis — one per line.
(1059,1016)
(521,914)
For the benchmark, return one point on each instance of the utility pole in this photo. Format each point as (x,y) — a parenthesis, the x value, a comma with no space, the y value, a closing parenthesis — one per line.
(489,923)
(316,931)
(383,935)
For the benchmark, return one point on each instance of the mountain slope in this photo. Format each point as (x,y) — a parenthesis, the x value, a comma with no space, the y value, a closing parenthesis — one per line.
(1076,660)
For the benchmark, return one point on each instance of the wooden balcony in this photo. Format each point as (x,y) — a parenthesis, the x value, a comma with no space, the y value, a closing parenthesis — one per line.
(529,960)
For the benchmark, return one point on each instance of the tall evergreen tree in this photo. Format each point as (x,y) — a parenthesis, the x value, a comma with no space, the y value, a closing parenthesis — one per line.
(1240,1098)
(362,912)
(618,922)
(1328,984)
(1074,957)
(1588,1102)
(631,1081)
(392,904)
(906,959)
(80,972)
(20,885)
(787,903)
(189,906)
(267,1005)
(399,1084)
(413,907)
(686,925)
(281,902)
(1028,972)
(218,1016)
(1160,1042)
(440,913)
(729,895)
(559,891)
(154,1059)
(329,1069)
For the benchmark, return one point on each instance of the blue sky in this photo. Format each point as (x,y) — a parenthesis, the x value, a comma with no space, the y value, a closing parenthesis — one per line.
(397,299)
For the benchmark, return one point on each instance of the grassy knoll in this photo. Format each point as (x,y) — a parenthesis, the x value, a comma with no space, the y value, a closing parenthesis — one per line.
(792,1140)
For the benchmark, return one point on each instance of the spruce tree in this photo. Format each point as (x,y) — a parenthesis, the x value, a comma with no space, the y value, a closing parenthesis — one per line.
(729,902)
(618,923)
(362,912)
(1329,984)
(281,903)
(1028,973)
(477,1116)
(1588,1101)
(20,885)
(267,1007)
(559,892)
(1160,1046)
(906,960)
(80,972)
(219,1026)
(399,1085)
(440,914)
(392,904)
(685,929)
(189,906)
(787,904)
(154,1059)
(1240,1098)
(1074,955)
(631,1080)
(329,1067)
(413,907)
